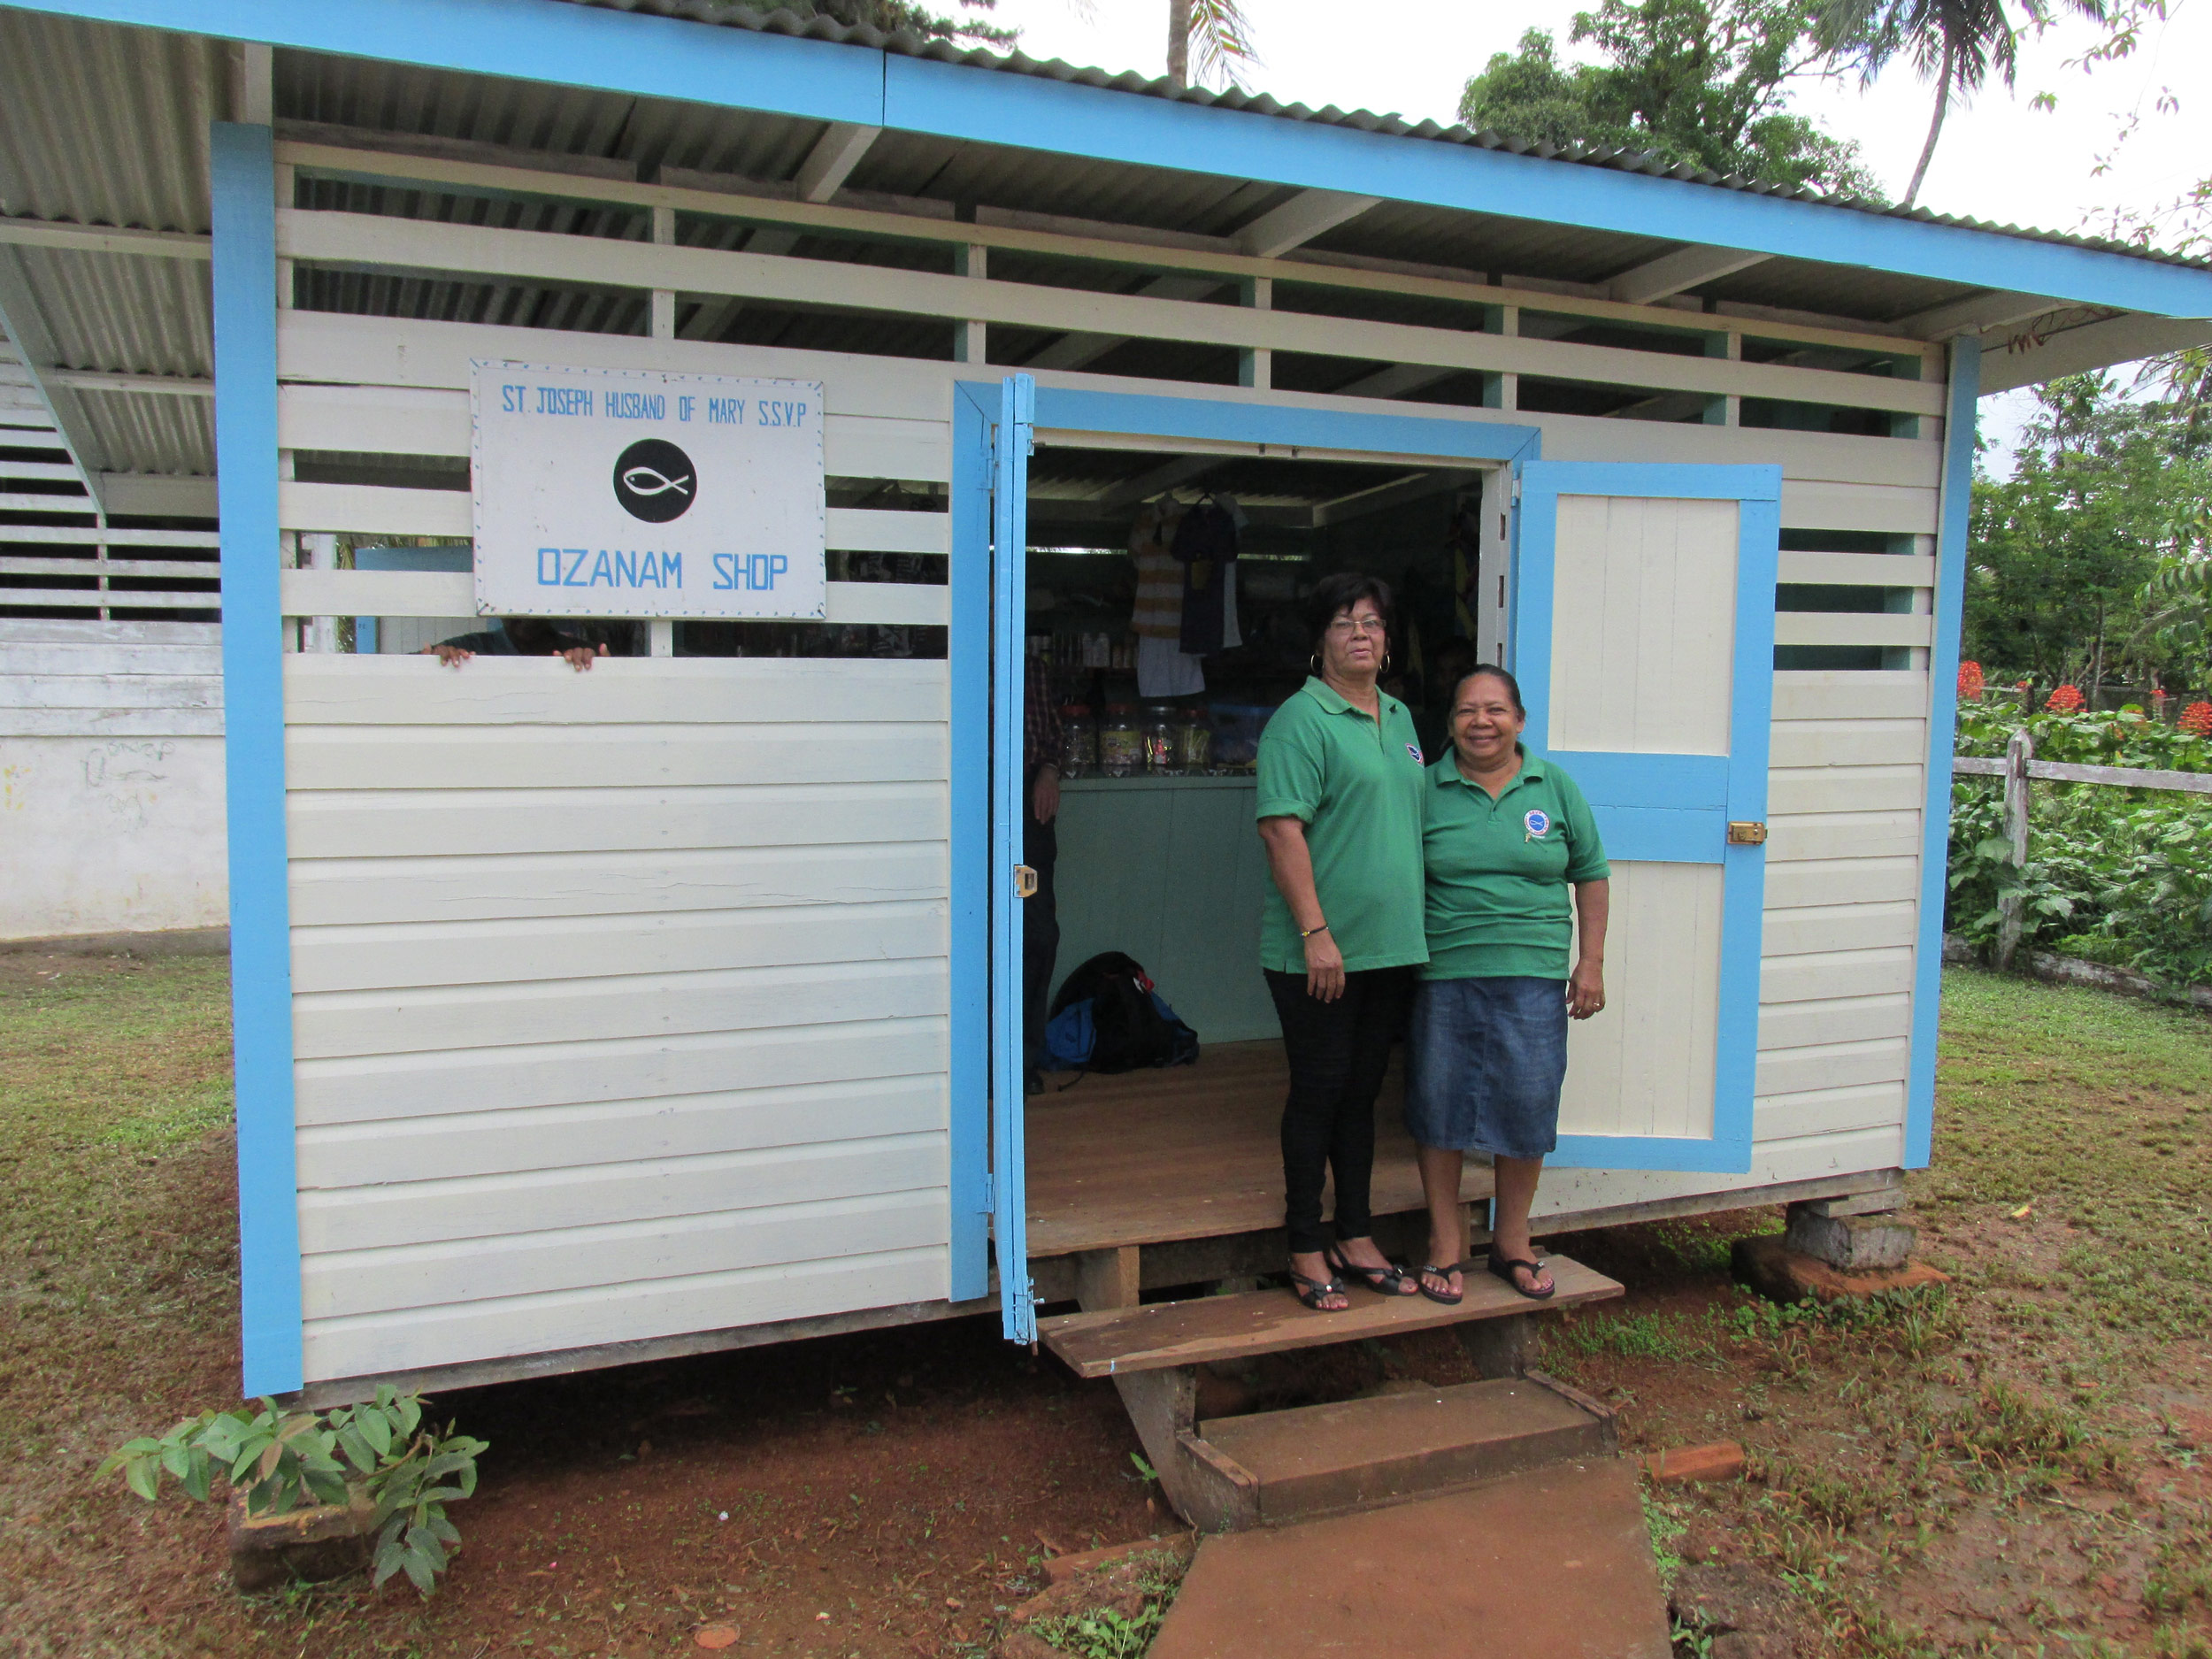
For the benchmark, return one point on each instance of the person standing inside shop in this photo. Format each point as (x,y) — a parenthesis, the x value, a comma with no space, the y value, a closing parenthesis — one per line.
(1340,784)
(1040,850)
(1506,834)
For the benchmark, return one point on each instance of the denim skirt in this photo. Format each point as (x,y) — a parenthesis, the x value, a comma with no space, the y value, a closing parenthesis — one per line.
(1485,1063)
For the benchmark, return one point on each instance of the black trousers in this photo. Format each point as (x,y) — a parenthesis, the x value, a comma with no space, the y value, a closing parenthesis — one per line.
(1040,928)
(1339,1052)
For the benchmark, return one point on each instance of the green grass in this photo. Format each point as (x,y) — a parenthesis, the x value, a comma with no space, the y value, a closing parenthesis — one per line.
(2094,1110)
(1987,1468)
(118,1265)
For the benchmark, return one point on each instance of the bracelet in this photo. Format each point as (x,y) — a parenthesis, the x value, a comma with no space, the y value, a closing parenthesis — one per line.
(1308,932)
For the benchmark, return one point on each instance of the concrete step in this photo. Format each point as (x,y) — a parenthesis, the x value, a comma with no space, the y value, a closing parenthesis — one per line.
(1554,1564)
(1120,1341)
(1326,1459)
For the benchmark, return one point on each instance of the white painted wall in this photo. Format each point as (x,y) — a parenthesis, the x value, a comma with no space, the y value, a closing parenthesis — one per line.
(110,777)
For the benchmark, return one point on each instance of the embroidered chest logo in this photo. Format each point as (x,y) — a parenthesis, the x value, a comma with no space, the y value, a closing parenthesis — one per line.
(1414,749)
(1536,823)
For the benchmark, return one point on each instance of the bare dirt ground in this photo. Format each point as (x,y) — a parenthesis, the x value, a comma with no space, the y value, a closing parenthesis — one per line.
(2023,1465)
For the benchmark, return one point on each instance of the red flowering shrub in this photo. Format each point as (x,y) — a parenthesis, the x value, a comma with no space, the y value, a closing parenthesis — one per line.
(1969,679)
(2065,700)
(2196,720)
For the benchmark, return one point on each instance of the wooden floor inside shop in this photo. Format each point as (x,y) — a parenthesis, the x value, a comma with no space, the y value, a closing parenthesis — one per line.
(1187,1152)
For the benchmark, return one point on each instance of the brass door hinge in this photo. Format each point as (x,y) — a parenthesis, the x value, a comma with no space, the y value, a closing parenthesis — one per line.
(1742,834)
(1025,881)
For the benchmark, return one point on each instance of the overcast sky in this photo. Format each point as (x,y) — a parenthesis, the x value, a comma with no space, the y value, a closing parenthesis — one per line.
(1998,158)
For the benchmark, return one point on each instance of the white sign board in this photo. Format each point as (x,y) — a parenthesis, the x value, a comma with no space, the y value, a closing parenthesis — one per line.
(623,493)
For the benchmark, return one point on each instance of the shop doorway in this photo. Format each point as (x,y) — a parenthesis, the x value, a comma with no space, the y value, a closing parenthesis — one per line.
(1160,854)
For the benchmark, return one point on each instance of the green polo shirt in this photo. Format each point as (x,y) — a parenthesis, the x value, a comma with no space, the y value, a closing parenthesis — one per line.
(1356,784)
(1499,871)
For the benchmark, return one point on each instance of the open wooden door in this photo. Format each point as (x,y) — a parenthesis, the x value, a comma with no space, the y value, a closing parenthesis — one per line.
(1643,638)
(1012,437)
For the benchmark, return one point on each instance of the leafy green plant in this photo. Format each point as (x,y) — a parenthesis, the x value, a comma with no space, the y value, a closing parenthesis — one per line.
(279,1460)
(2120,875)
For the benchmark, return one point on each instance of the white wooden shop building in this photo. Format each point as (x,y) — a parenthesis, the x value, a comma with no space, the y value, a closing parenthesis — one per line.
(586,1017)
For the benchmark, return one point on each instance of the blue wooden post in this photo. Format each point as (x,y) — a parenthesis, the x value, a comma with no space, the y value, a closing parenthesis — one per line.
(242,177)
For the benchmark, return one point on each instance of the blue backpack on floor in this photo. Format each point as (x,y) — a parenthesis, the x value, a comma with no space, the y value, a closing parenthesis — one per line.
(1108,1017)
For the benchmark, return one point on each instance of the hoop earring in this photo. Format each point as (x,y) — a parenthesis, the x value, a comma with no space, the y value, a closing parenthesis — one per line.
(1313,664)
(1386,667)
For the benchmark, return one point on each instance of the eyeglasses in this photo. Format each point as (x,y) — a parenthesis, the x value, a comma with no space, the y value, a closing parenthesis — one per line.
(1344,627)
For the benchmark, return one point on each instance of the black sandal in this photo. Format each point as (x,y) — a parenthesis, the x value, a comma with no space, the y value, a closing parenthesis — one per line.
(1421,1283)
(1315,1290)
(1504,1269)
(1383,1280)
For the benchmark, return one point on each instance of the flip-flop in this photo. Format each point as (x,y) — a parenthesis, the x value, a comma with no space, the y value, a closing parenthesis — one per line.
(1383,1280)
(1504,1268)
(1421,1281)
(1315,1289)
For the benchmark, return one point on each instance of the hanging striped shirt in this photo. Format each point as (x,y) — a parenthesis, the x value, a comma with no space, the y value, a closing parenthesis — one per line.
(1159,610)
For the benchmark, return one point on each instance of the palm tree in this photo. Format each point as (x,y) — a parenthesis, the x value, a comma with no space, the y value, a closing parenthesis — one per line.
(1221,32)
(1954,42)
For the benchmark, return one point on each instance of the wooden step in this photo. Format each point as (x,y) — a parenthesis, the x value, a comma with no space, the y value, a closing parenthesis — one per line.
(1121,1342)
(1326,1459)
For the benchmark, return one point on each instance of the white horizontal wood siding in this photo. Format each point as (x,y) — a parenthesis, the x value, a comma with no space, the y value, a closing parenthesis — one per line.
(619,998)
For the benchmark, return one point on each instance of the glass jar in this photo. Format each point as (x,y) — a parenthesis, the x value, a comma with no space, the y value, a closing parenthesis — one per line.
(1120,749)
(1079,741)
(1158,732)
(1193,742)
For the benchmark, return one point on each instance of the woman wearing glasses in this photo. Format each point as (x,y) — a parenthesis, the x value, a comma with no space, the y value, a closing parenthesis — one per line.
(1340,784)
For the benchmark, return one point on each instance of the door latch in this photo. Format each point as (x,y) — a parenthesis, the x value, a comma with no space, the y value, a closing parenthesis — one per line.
(1025,878)
(1742,834)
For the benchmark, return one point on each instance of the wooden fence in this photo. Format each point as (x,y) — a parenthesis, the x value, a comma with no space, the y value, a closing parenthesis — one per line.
(2017,769)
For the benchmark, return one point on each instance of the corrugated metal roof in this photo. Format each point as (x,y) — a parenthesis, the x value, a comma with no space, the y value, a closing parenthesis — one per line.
(103,124)
(727,14)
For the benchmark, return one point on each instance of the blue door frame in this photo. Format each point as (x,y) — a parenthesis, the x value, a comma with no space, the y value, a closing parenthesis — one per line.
(989,488)
(1673,807)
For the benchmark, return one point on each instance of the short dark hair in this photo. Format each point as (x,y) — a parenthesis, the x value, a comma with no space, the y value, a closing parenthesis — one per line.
(1493,672)
(1337,592)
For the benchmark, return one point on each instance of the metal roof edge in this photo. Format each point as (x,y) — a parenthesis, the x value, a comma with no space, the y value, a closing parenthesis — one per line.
(820,70)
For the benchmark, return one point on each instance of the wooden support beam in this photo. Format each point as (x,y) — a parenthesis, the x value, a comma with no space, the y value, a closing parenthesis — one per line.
(1396,381)
(1075,351)
(361,241)
(155,244)
(1993,308)
(832,160)
(1107,1279)
(1206,1488)
(484,169)
(1395,493)
(1309,214)
(2092,346)
(1167,475)
(1675,273)
(1499,1348)
(24,326)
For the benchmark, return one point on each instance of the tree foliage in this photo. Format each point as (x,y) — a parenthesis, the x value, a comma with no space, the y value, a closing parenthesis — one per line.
(893,16)
(1703,83)
(2084,563)
(1954,44)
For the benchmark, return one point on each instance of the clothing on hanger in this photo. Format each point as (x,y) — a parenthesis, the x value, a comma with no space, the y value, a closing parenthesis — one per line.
(1158,614)
(1165,670)
(1205,546)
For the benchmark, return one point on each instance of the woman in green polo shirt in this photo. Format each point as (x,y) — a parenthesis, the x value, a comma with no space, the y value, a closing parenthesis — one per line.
(1505,834)
(1340,782)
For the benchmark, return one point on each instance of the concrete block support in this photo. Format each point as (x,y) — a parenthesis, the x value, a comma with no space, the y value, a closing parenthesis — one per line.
(1851,1244)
